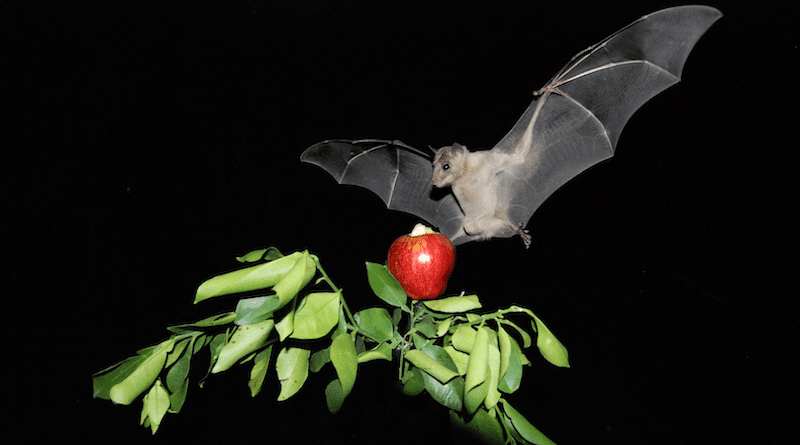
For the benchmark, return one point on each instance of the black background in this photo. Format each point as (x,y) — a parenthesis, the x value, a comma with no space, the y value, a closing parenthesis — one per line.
(148,143)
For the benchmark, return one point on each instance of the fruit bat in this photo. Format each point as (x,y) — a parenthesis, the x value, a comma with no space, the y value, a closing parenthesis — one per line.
(573,123)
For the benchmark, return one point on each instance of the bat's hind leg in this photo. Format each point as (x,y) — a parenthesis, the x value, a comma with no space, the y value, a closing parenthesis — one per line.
(492,226)
(519,229)
(524,234)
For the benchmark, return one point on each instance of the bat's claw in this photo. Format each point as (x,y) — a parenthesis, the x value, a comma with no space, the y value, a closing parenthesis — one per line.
(525,235)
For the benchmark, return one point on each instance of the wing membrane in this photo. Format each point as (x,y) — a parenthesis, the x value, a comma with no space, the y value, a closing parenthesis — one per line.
(400,175)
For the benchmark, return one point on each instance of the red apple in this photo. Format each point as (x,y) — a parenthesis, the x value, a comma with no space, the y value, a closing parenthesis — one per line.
(422,262)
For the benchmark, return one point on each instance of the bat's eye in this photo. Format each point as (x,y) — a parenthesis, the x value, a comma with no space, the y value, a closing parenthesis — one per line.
(445,167)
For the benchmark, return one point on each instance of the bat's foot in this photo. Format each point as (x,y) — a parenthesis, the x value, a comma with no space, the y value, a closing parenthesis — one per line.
(525,235)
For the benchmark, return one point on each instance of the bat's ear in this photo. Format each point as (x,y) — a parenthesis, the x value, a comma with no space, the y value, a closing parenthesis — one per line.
(434,150)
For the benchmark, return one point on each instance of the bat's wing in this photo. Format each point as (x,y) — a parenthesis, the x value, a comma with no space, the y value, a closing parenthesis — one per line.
(400,175)
(575,120)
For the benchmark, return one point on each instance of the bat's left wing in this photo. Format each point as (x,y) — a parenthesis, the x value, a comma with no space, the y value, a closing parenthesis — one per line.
(575,121)
(400,175)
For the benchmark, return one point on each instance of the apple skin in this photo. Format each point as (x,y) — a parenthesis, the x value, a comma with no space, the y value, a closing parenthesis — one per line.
(422,264)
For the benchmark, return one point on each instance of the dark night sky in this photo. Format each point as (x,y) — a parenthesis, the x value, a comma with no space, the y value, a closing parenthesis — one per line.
(147,144)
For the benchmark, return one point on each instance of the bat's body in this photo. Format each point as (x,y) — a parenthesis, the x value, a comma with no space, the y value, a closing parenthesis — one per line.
(572,123)
(473,177)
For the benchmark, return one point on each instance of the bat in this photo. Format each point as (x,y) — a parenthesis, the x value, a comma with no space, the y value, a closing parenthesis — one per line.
(572,123)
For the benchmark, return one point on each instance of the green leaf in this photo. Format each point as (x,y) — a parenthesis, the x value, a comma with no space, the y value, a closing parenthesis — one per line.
(460,359)
(397,315)
(486,426)
(143,420)
(386,287)
(450,394)
(420,342)
(317,316)
(148,350)
(286,326)
(292,368)
(443,326)
(512,376)
(296,279)
(504,343)
(178,381)
(413,382)
(426,326)
(126,391)
(431,366)
(464,338)
(259,371)
(319,359)
(212,321)
(549,346)
(156,404)
(525,429)
(255,310)
(216,344)
(102,381)
(375,323)
(201,341)
(345,361)
(334,396)
(244,341)
(270,253)
(177,352)
(476,383)
(381,352)
(441,356)
(361,344)
(526,338)
(341,327)
(453,305)
(248,279)
(493,395)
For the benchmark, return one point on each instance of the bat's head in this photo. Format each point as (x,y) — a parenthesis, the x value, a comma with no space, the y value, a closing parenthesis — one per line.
(448,165)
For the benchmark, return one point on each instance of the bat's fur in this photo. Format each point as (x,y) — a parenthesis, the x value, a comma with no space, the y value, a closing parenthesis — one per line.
(473,178)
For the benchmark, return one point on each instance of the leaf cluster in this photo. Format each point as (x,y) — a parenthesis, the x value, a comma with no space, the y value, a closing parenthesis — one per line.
(280,321)
(468,362)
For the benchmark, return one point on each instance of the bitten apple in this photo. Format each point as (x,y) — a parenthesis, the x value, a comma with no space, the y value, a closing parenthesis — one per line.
(422,262)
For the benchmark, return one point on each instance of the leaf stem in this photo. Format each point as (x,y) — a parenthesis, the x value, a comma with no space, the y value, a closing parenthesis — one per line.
(324,274)
(335,289)
(499,314)
(416,309)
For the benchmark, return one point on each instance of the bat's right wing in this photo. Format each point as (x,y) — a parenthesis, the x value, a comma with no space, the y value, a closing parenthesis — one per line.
(400,175)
